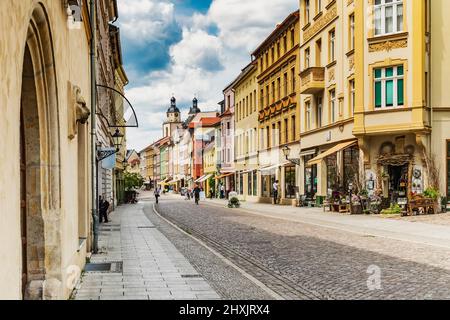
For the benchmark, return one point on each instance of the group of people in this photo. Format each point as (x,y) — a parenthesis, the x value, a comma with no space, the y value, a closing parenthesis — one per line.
(103,206)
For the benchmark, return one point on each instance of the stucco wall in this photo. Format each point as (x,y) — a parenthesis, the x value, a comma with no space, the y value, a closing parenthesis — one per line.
(71,55)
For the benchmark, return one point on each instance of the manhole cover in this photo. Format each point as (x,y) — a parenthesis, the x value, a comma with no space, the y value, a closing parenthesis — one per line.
(114,267)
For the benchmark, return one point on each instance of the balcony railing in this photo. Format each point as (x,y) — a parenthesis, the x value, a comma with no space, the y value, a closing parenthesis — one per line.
(312,80)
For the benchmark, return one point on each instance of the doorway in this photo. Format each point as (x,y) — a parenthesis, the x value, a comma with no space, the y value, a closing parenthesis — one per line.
(398,182)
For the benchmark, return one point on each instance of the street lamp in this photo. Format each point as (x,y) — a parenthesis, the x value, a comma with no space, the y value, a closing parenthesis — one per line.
(287,151)
(117,138)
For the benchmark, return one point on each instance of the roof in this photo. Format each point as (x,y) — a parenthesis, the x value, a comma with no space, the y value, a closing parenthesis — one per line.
(278,30)
(226,113)
(244,72)
(205,122)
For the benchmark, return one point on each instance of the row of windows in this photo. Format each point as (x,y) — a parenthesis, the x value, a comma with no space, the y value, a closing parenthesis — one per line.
(388,17)
(278,89)
(277,51)
(279,133)
(246,106)
(246,142)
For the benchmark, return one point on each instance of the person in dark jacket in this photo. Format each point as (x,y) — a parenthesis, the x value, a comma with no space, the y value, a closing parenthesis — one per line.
(103,208)
(197,194)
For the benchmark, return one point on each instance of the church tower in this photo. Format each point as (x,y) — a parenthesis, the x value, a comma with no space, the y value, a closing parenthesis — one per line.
(173,118)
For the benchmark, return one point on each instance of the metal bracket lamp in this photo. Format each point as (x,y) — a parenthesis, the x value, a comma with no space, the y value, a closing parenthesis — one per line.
(117,138)
(287,152)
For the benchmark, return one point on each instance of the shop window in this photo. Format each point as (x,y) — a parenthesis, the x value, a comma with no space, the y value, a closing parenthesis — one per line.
(249,183)
(310,174)
(351,165)
(389,87)
(289,180)
(332,173)
(267,181)
(254,182)
(241,183)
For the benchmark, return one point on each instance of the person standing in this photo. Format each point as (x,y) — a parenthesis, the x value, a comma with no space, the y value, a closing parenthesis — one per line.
(157,194)
(104,211)
(197,194)
(275,192)
(222,191)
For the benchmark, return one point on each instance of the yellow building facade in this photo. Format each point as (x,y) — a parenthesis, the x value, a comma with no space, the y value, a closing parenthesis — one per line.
(279,113)
(327,88)
(209,167)
(246,133)
(374,109)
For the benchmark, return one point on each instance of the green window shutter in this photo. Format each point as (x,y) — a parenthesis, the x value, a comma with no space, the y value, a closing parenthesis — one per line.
(400,94)
(389,93)
(378,94)
(400,71)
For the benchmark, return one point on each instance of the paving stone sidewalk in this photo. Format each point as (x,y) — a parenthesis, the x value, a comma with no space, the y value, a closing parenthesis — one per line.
(153,269)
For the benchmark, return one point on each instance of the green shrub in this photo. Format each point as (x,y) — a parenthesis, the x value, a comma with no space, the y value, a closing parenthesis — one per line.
(393,209)
(432,193)
(233,202)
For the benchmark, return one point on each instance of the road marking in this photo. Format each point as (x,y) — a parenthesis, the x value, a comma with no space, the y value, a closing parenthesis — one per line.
(261,285)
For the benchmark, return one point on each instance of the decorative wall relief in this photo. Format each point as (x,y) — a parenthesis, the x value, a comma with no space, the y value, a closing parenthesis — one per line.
(77,111)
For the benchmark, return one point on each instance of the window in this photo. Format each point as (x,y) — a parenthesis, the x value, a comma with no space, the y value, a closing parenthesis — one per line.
(289,182)
(286,131)
(319,112)
(332,45)
(267,95)
(351,161)
(273,54)
(285,43)
(292,38)
(332,106)
(278,88)
(254,100)
(293,80)
(278,50)
(285,84)
(352,32)
(274,133)
(273,91)
(307,6)
(307,57)
(246,106)
(294,134)
(319,53)
(268,136)
(332,173)
(251,102)
(318,6)
(261,98)
(352,97)
(267,59)
(388,16)
(279,133)
(254,182)
(229,102)
(389,87)
(307,116)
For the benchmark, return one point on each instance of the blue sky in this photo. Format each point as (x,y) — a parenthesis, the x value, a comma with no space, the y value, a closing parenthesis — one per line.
(188,48)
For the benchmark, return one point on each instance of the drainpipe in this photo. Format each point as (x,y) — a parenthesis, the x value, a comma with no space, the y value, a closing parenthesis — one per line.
(94,203)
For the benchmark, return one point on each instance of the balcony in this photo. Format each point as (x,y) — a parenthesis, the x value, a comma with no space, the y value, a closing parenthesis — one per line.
(312,80)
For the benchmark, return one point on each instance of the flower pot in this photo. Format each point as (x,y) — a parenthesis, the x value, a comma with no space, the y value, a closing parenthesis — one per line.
(356,209)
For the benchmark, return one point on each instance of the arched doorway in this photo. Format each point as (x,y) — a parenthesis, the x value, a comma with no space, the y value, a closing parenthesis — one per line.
(40,170)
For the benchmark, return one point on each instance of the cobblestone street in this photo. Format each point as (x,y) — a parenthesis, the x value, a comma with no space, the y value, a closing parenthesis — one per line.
(300,260)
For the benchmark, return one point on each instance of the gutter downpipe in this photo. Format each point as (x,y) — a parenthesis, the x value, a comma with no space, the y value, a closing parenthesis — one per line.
(93,129)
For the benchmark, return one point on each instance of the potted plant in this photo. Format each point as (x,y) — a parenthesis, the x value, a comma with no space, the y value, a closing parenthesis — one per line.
(356,204)
(234,202)
(433,194)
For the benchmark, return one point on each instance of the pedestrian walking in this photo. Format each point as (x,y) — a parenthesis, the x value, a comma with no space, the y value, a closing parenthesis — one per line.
(222,191)
(157,194)
(275,192)
(100,209)
(197,194)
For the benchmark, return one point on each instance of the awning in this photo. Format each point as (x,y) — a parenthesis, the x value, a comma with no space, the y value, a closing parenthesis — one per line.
(282,164)
(203,178)
(224,175)
(329,152)
(173,182)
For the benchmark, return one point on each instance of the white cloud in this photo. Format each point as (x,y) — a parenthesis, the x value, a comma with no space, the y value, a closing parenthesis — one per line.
(202,63)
